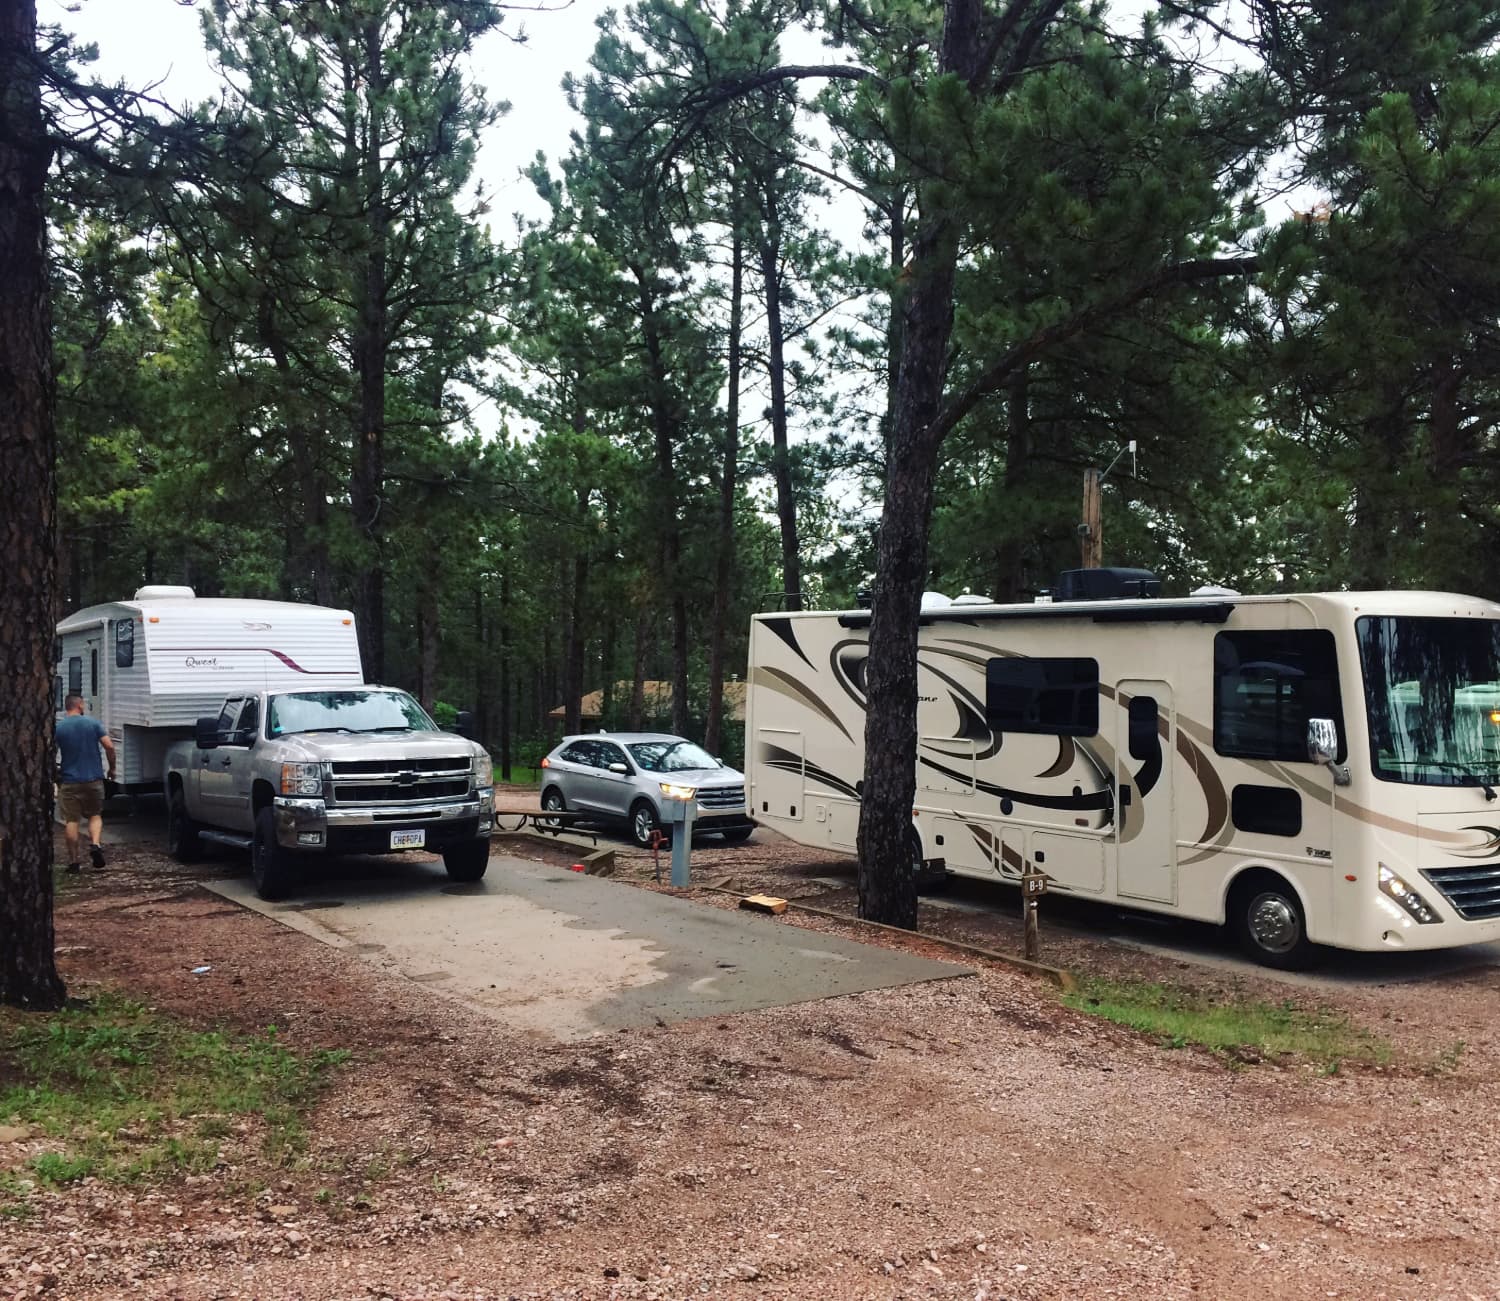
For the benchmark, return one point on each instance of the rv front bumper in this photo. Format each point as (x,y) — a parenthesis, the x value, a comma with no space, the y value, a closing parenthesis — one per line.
(312,824)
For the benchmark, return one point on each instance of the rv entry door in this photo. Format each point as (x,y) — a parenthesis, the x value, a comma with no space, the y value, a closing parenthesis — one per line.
(1145,813)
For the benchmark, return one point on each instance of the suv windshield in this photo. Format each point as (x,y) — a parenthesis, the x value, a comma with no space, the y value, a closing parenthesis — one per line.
(1433,690)
(347,711)
(671,756)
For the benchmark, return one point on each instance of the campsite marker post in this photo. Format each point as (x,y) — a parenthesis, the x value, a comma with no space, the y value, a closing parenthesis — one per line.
(679,814)
(1033,887)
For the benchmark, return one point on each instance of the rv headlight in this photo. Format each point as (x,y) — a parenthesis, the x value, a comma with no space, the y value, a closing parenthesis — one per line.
(301,779)
(675,791)
(484,769)
(1409,899)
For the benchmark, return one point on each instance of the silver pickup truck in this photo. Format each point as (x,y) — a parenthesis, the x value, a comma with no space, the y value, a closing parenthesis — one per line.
(355,770)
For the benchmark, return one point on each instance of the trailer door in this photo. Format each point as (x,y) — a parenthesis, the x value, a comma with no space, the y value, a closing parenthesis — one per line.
(1145,812)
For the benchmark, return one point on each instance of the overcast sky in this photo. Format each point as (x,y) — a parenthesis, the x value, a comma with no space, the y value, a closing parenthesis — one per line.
(146,41)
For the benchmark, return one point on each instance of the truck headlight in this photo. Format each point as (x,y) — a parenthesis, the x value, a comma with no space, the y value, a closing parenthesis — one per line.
(301,779)
(1409,899)
(484,770)
(676,791)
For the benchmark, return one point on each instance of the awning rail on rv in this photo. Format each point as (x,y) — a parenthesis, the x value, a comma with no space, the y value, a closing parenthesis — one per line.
(1097,611)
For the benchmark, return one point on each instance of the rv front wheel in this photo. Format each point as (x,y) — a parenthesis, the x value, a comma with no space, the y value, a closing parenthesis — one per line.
(182,832)
(270,864)
(1269,922)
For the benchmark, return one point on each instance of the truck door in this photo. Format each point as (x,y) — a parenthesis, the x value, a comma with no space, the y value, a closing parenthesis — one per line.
(224,772)
(1145,811)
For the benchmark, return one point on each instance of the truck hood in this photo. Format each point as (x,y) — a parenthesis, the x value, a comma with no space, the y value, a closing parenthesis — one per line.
(394,746)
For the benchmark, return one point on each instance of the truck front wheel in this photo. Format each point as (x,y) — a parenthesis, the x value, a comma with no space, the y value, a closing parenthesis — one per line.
(270,864)
(467,861)
(182,832)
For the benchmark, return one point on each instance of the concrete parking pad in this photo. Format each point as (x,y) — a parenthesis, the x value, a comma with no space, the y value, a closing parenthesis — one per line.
(567,956)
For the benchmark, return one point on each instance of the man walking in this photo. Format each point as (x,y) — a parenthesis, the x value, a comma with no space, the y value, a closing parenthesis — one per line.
(80,790)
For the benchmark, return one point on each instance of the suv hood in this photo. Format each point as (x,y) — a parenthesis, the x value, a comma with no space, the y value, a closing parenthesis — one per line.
(699,777)
(394,746)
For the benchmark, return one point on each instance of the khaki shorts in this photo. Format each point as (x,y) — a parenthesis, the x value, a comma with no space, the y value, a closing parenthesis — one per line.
(79,800)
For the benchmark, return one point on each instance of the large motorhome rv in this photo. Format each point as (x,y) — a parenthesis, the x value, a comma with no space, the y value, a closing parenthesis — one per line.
(1311,769)
(149,667)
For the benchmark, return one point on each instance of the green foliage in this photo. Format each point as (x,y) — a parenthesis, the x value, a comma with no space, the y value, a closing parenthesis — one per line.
(127,1093)
(1238,1029)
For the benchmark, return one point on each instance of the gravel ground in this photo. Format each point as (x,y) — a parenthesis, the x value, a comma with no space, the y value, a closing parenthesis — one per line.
(968,1138)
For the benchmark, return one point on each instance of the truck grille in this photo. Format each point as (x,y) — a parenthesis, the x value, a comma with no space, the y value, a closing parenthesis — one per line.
(1474,892)
(400,781)
(394,793)
(722,797)
(364,767)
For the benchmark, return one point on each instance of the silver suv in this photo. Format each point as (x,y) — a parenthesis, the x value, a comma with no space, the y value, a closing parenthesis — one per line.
(626,777)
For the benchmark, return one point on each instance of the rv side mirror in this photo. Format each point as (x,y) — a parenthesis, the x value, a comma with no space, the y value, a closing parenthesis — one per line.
(1323,748)
(464,724)
(206,732)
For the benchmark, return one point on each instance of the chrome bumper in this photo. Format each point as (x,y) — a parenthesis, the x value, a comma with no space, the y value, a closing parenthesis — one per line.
(306,823)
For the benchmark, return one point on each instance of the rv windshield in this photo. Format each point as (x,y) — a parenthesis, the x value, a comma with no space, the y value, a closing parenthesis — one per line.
(1433,690)
(347,711)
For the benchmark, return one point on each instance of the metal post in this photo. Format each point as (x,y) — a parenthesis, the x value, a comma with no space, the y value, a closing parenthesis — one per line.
(1033,887)
(682,844)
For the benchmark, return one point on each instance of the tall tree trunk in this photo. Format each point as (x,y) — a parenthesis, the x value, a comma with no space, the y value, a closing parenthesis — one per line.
(664,423)
(781,463)
(28,527)
(576,578)
(506,718)
(713,725)
(427,646)
(1009,579)
(638,670)
(482,662)
(366,495)
(887,884)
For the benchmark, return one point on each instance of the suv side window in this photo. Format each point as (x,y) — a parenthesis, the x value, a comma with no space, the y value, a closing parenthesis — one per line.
(610,753)
(579,752)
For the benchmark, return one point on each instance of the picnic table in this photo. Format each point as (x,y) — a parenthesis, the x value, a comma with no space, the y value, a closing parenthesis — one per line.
(551,822)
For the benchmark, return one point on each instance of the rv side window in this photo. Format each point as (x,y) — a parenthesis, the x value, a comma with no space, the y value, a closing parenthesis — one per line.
(124,643)
(75,675)
(1267,685)
(57,680)
(94,671)
(1056,697)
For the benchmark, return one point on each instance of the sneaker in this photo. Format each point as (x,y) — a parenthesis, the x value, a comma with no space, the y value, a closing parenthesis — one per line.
(96,857)
(73,867)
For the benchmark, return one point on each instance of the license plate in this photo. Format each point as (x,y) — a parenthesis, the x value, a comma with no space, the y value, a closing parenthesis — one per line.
(408,839)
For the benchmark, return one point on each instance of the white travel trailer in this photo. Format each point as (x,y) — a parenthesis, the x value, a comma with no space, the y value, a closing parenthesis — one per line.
(1312,769)
(150,667)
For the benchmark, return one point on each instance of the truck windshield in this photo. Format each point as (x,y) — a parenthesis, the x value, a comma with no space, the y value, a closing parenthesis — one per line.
(347,711)
(1433,691)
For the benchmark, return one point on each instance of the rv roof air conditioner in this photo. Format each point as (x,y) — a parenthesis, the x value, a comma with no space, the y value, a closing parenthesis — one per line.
(163,592)
(1105,584)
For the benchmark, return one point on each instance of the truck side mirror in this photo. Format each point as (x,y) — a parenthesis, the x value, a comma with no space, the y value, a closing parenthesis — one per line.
(206,733)
(464,724)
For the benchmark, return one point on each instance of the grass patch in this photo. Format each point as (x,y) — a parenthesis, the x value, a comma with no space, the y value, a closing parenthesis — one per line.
(1238,1029)
(124,1093)
(519,775)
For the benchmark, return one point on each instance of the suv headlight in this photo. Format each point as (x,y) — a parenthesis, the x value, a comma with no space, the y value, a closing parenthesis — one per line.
(484,769)
(1397,889)
(676,791)
(301,779)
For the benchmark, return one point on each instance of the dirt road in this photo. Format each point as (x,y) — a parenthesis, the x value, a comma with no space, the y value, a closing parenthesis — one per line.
(963,1139)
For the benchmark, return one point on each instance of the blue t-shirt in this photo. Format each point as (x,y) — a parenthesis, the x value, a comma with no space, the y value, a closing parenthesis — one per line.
(78,743)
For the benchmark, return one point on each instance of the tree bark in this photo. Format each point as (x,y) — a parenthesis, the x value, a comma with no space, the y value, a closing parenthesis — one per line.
(638,670)
(713,725)
(887,884)
(28,528)
(781,463)
(506,723)
(428,638)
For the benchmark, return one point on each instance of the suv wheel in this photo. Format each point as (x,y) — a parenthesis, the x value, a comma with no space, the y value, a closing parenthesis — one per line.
(643,822)
(553,802)
(270,865)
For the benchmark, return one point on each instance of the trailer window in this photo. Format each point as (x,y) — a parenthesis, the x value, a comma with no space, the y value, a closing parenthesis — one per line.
(1266,687)
(94,671)
(75,675)
(1055,697)
(124,643)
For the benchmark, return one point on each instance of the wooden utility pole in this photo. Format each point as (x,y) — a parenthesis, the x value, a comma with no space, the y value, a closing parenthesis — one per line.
(1090,532)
